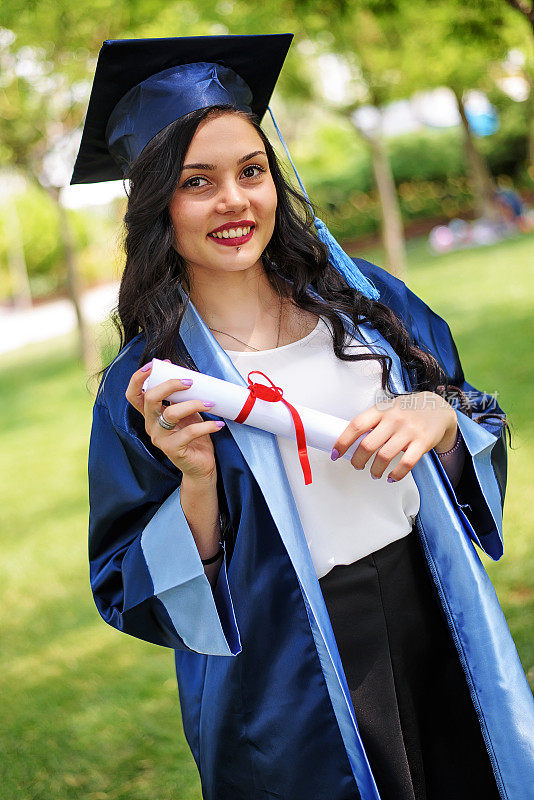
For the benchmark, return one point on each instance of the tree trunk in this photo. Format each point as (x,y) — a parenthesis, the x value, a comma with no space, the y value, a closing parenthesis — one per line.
(392,227)
(87,344)
(526,10)
(529,113)
(480,178)
(18,271)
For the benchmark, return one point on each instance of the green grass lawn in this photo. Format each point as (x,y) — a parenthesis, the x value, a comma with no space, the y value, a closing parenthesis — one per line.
(90,713)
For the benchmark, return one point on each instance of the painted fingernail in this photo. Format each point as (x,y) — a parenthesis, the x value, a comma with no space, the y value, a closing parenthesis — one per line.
(146,367)
(208,403)
(220,424)
(391,480)
(186,381)
(374,477)
(334,455)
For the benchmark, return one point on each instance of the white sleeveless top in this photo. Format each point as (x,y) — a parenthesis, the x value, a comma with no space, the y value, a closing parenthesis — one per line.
(345,513)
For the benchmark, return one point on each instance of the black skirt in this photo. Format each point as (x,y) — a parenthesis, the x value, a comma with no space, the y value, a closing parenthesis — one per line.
(409,692)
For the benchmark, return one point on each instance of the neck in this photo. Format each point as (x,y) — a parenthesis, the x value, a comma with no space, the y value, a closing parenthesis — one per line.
(241,303)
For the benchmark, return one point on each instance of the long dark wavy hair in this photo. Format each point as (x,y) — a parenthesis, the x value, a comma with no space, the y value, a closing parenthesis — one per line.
(150,301)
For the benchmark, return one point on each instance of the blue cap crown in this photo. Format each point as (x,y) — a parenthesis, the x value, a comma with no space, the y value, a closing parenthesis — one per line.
(165,97)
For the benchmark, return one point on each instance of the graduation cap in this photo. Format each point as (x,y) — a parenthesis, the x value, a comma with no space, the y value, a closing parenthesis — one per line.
(142,85)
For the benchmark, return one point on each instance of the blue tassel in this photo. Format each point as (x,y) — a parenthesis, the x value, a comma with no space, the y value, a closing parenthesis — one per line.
(344,264)
(337,256)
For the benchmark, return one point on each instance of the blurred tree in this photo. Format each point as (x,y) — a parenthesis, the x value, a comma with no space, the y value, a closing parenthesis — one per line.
(526,9)
(354,40)
(11,185)
(39,107)
(452,43)
(48,53)
(390,49)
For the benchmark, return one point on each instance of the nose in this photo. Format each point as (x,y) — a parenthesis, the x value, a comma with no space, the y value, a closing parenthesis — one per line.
(232,197)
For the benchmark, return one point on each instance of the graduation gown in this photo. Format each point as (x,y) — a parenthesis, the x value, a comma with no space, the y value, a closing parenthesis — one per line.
(265,705)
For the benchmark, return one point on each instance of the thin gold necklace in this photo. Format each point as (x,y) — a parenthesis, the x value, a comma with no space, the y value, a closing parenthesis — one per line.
(249,345)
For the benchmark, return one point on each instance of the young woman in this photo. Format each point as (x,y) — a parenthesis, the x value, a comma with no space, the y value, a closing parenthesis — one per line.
(334,640)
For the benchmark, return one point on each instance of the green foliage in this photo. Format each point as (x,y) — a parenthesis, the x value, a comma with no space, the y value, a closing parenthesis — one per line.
(428,168)
(95,233)
(428,155)
(39,230)
(506,150)
(101,258)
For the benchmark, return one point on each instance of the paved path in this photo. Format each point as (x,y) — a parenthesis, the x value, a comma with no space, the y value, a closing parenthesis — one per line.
(20,328)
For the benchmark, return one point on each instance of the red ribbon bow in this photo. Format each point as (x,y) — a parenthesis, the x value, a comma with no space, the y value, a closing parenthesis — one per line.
(273,394)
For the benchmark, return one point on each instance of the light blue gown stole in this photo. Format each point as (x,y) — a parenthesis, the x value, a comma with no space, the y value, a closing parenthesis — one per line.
(261,453)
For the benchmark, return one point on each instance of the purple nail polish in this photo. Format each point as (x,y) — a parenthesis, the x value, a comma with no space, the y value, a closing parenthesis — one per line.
(334,455)
(146,367)
(209,403)
(220,423)
(391,480)
(374,477)
(186,381)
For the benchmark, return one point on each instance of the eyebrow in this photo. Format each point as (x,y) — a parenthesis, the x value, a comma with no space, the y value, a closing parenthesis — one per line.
(212,166)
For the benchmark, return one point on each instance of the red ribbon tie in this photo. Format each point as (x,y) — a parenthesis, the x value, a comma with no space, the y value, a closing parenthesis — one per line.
(274,394)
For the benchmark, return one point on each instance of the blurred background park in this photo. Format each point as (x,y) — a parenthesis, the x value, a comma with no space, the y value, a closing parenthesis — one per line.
(412,126)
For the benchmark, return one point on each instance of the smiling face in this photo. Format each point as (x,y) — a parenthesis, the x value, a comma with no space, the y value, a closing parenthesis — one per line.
(225,185)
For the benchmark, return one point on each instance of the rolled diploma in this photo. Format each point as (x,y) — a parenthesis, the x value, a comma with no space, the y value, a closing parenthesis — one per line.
(322,430)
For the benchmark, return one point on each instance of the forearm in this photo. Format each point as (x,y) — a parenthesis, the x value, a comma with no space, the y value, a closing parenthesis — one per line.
(451,449)
(201,509)
(453,460)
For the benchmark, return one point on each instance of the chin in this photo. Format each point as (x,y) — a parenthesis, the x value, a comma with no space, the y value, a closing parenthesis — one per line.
(241,260)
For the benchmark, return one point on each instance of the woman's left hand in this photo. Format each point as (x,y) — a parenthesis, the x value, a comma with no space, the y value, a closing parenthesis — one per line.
(413,423)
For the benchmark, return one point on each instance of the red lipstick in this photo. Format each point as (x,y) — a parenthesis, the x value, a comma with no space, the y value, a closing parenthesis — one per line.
(237,240)
(242,223)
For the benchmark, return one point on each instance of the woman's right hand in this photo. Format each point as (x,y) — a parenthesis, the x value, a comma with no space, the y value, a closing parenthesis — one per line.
(188,445)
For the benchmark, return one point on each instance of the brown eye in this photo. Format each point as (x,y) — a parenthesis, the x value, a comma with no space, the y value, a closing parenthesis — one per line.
(252,166)
(190,182)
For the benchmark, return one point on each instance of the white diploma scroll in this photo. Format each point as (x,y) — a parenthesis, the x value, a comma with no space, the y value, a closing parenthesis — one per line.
(322,430)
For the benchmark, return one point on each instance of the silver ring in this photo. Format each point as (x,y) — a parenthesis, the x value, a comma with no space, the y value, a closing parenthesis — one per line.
(168,426)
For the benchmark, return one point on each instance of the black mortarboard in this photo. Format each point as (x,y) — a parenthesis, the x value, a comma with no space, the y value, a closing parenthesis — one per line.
(142,85)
